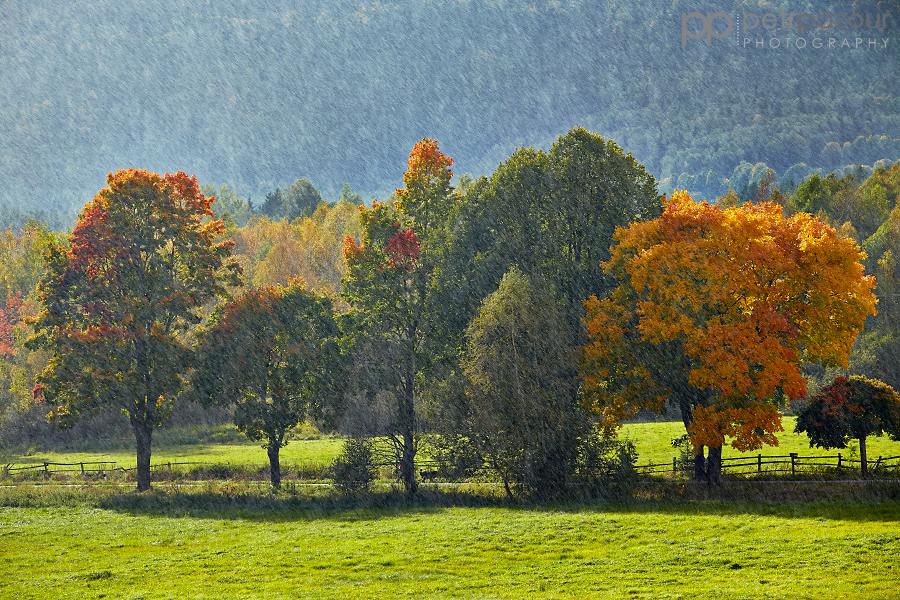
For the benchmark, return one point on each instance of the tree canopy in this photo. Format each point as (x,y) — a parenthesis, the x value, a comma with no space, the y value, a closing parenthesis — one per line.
(387,285)
(850,408)
(715,310)
(115,308)
(519,372)
(273,354)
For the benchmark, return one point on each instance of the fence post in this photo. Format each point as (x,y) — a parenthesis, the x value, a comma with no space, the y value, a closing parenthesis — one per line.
(793,463)
(674,465)
(82,469)
(877,464)
(759,463)
(839,460)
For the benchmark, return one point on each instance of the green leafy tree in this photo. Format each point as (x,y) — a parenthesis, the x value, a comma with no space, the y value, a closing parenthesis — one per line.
(552,216)
(521,384)
(273,205)
(116,307)
(812,196)
(349,196)
(595,187)
(228,206)
(273,354)
(300,200)
(851,408)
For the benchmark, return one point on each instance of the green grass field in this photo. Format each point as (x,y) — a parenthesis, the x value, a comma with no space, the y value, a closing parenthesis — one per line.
(222,540)
(653,442)
(67,543)
(248,453)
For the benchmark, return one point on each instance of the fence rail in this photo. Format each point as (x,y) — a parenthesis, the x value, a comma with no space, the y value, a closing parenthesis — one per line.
(793,463)
(84,468)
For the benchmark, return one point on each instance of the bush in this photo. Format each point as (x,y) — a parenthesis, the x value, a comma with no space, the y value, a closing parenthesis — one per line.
(456,457)
(354,469)
(605,464)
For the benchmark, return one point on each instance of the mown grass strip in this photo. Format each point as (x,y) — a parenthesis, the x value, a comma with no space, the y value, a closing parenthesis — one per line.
(158,545)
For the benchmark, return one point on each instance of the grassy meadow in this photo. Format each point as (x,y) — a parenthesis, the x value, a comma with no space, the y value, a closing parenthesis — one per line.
(236,539)
(653,442)
(224,543)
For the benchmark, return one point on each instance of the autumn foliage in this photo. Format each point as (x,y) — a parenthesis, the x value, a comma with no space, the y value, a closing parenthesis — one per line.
(428,174)
(387,285)
(388,244)
(10,318)
(715,310)
(143,260)
(850,408)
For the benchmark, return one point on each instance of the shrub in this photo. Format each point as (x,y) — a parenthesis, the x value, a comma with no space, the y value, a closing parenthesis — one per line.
(456,457)
(354,469)
(605,464)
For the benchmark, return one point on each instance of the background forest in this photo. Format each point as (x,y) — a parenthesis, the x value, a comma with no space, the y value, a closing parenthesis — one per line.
(255,95)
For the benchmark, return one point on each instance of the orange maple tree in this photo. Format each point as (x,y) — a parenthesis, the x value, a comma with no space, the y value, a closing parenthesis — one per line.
(715,310)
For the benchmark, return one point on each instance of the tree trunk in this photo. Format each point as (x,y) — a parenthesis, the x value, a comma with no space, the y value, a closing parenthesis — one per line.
(862,456)
(143,434)
(408,463)
(700,466)
(506,487)
(143,416)
(407,422)
(714,466)
(274,464)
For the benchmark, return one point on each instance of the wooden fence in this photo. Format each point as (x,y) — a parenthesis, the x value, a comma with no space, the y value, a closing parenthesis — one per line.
(743,465)
(87,469)
(791,463)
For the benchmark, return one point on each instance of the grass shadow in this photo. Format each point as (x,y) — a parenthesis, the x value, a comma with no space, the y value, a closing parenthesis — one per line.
(875,501)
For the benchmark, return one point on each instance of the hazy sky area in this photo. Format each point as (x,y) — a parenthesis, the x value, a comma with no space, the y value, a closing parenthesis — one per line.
(257,94)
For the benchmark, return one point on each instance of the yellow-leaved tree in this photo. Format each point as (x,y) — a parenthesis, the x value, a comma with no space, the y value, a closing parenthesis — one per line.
(715,311)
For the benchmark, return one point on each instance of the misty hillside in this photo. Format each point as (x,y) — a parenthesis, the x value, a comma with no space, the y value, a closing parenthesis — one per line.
(255,94)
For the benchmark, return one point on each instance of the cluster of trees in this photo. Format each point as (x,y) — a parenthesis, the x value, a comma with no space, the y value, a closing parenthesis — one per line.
(747,180)
(513,315)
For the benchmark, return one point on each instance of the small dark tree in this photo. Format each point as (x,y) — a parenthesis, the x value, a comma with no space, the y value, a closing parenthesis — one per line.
(273,206)
(354,469)
(851,408)
(300,200)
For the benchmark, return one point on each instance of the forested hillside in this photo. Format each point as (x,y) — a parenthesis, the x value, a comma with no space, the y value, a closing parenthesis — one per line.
(256,94)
